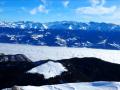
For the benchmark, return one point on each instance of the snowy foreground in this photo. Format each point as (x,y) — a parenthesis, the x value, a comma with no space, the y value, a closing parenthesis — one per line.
(78,86)
(36,53)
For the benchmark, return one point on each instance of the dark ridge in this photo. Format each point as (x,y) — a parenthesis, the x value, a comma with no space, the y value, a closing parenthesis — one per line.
(86,70)
(14,71)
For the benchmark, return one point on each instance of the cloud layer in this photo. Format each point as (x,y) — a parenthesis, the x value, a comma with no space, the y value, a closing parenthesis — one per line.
(97,8)
(97,2)
(40,8)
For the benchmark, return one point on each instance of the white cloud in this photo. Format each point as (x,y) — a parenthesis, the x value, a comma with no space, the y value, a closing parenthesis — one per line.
(97,8)
(33,11)
(40,8)
(97,2)
(66,3)
(99,12)
(113,18)
(43,1)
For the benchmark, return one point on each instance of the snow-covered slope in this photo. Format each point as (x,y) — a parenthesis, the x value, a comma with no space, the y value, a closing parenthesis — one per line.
(37,53)
(49,69)
(78,86)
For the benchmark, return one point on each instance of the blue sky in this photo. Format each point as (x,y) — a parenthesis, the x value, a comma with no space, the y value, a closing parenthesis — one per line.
(60,10)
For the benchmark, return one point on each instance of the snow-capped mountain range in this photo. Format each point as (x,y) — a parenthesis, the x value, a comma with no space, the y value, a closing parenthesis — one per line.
(72,25)
(63,33)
